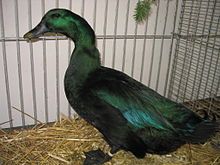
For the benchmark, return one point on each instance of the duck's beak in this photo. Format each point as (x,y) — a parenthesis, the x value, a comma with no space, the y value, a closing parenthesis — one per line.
(39,30)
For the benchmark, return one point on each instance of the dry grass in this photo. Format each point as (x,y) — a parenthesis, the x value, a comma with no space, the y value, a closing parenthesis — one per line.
(66,141)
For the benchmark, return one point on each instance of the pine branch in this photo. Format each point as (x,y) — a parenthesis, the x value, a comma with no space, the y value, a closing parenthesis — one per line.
(142,10)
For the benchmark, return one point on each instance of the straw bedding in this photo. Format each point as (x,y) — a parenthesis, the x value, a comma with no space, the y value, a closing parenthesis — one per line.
(65,142)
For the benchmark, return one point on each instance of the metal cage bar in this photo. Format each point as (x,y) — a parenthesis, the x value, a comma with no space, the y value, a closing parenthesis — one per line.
(115,33)
(162,46)
(143,52)
(110,37)
(45,68)
(32,65)
(94,15)
(125,34)
(5,61)
(19,64)
(171,50)
(57,73)
(69,52)
(104,32)
(134,50)
(153,46)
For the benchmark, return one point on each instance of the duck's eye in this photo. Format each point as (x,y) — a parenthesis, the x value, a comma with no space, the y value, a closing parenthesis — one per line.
(56,15)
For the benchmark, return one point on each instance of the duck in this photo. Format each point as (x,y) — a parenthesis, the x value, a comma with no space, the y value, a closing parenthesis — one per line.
(130,116)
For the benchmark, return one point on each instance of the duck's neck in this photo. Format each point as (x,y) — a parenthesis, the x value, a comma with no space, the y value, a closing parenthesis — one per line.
(84,60)
(85,57)
(80,32)
(83,38)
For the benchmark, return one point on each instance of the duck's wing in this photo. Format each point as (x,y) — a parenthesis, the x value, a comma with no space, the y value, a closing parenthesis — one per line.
(136,102)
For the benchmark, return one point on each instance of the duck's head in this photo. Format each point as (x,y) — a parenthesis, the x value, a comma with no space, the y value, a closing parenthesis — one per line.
(65,22)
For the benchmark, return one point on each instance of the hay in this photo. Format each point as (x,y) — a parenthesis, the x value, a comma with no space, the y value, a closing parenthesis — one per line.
(66,141)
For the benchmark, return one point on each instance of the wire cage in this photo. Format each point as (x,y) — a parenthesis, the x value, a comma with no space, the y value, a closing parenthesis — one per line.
(195,75)
(176,52)
(33,73)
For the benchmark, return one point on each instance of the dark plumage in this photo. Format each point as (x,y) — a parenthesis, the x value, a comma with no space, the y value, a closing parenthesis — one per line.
(130,115)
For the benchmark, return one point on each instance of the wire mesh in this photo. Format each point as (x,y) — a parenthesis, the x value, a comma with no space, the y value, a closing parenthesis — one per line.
(196,69)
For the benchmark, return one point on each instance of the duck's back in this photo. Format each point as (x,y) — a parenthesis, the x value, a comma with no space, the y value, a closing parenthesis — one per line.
(160,123)
(121,91)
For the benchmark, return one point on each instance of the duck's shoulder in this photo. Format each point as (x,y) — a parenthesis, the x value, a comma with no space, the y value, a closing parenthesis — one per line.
(107,77)
(108,73)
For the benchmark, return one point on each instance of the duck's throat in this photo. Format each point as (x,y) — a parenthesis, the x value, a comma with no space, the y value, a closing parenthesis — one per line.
(83,62)
(81,33)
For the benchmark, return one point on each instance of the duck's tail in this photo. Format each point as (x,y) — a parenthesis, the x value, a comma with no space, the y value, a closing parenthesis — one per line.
(203,131)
